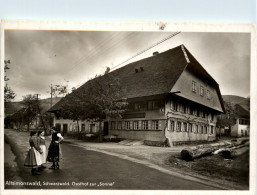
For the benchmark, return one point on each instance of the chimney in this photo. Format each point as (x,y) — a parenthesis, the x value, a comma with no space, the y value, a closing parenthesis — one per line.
(155,53)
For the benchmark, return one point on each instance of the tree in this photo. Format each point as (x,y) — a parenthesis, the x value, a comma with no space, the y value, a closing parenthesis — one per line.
(96,100)
(31,108)
(228,119)
(8,92)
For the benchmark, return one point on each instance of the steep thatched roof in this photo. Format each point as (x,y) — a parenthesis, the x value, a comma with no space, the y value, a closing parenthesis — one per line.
(153,75)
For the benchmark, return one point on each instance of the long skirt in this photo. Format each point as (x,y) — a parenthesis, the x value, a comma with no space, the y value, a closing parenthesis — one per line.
(43,155)
(53,152)
(33,159)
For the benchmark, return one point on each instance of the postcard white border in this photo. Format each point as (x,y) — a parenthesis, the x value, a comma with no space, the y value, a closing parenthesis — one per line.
(137,26)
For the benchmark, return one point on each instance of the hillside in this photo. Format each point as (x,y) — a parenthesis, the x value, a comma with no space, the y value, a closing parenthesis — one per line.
(233,99)
(12,107)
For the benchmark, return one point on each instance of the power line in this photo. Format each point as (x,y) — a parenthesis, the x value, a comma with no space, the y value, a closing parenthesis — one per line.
(95,52)
(96,49)
(154,45)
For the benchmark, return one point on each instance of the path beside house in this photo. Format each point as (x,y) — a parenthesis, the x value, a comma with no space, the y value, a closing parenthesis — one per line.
(154,157)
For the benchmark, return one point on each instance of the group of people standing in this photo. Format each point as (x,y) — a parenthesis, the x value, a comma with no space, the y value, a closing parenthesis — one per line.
(38,156)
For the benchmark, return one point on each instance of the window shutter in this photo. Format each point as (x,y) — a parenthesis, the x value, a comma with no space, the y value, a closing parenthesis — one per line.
(160,124)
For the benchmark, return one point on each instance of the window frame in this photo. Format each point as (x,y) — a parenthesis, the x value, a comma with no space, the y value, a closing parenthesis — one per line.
(190,127)
(201,91)
(145,125)
(185,126)
(155,124)
(119,125)
(178,126)
(113,125)
(127,125)
(208,94)
(193,86)
(172,125)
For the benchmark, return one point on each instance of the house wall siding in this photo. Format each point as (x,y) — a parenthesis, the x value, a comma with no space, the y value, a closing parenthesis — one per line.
(175,135)
(140,134)
(184,85)
(73,126)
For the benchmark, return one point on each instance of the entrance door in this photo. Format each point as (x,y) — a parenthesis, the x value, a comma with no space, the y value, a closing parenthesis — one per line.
(65,129)
(106,130)
(58,127)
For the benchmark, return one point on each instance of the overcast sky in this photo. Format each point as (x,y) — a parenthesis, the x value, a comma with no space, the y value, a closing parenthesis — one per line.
(41,58)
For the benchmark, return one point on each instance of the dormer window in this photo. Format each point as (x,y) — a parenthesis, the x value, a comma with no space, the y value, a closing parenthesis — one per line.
(194,86)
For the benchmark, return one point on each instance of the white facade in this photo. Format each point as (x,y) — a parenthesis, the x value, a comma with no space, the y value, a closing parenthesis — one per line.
(239,129)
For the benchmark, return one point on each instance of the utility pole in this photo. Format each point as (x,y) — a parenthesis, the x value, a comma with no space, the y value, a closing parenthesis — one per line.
(42,120)
(51,95)
(51,105)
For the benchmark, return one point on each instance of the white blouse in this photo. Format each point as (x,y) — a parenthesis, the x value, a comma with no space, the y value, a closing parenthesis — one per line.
(60,136)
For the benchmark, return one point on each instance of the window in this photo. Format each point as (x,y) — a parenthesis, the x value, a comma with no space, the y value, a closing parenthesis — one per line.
(145,125)
(201,130)
(206,130)
(178,126)
(119,125)
(135,125)
(191,110)
(153,105)
(212,116)
(208,94)
(204,114)
(201,91)
(155,124)
(175,106)
(92,128)
(185,126)
(198,112)
(127,124)
(137,106)
(172,125)
(211,129)
(193,86)
(182,108)
(113,125)
(185,109)
(190,129)
(196,128)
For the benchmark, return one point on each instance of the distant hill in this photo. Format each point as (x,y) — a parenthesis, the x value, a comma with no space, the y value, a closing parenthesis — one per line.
(233,99)
(12,107)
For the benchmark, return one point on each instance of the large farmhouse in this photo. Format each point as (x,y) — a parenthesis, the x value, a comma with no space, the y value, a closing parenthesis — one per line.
(171,98)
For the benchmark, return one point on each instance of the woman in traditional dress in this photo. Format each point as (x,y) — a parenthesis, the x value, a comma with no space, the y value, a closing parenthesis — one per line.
(54,150)
(42,145)
(33,159)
